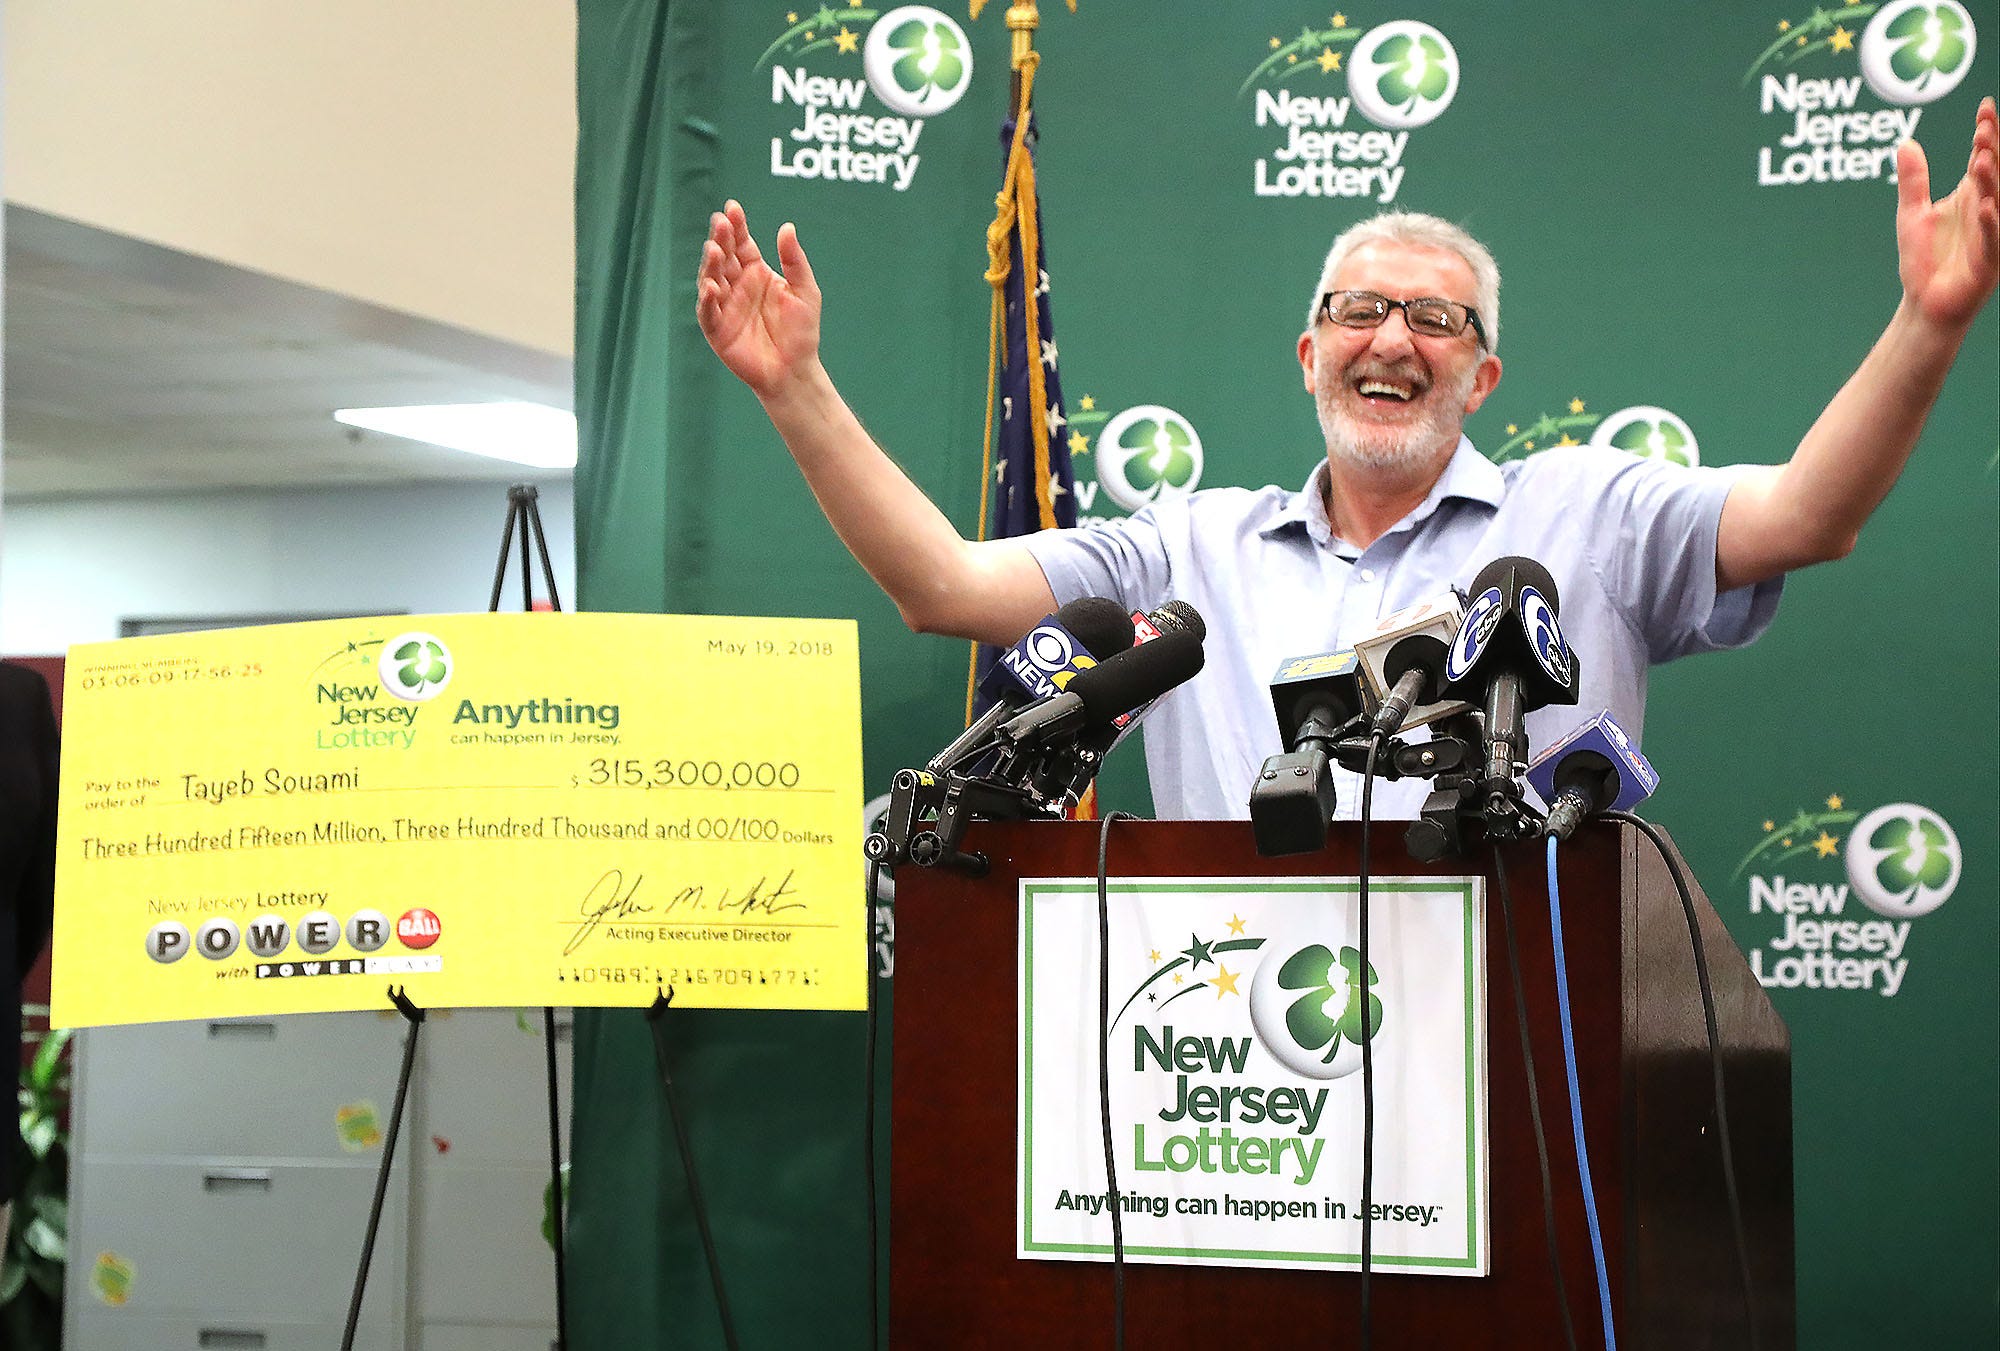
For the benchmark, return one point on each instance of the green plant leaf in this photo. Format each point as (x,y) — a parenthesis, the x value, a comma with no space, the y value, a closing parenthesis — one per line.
(13,1276)
(50,1069)
(46,1240)
(39,1134)
(54,1211)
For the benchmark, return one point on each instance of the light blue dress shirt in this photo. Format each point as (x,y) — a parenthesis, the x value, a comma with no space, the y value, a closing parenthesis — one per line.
(1629,541)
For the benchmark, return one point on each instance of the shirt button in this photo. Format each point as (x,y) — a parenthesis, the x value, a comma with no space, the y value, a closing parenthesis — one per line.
(1367,574)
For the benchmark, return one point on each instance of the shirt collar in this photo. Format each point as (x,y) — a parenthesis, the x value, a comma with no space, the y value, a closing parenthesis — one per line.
(1467,474)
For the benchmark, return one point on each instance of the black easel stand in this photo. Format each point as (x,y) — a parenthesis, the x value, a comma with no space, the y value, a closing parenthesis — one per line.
(521,510)
(415,1016)
(656,1018)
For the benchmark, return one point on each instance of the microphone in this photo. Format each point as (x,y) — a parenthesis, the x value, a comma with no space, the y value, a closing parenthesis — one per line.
(1510,655)
(1094,698)
(1044,659)
(1595,768)
(1402,664)
(1314,697)
(1293,798)
(1176,616)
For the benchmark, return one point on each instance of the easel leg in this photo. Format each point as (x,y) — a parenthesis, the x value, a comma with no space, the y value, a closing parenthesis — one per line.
(522,508)
(656,1017)
(415,1016)
(555,1175)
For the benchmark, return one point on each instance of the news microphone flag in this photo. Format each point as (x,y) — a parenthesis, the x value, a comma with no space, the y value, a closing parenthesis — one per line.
(1598,768)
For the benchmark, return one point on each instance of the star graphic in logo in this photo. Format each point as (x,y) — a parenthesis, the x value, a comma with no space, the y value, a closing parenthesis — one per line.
(1198,952)
(1236,923)
(1827,845)
(1225,982)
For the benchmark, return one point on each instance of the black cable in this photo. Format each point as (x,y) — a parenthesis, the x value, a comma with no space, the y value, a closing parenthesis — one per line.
(1113,1199)
(868,1110)
(1652,832)
(1367,1051)
(1534,1096)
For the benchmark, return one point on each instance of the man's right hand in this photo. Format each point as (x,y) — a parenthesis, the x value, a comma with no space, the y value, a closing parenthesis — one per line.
(764,326)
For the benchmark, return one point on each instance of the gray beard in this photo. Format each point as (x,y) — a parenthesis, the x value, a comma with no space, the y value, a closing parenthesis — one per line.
(1404,451)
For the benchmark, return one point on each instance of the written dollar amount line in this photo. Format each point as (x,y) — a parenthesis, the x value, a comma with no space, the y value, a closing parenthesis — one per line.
(666,772)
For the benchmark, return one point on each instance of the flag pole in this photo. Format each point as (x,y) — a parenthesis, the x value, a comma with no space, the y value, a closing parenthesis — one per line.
(1015,219)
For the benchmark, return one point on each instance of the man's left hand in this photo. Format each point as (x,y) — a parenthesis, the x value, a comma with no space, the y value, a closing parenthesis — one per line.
(1949,251)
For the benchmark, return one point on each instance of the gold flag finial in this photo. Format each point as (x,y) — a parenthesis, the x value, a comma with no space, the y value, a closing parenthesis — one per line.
(1023,18)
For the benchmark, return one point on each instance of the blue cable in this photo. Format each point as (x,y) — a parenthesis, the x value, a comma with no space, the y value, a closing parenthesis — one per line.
(1576,1104)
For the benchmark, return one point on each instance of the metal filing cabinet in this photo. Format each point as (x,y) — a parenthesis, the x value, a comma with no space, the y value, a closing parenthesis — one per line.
(222,1174)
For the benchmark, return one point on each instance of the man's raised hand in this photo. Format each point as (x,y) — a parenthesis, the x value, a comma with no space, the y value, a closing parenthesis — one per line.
(1948,251)
(763,324)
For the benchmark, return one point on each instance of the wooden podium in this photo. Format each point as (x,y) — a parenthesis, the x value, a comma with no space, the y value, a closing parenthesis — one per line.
(1647,1104)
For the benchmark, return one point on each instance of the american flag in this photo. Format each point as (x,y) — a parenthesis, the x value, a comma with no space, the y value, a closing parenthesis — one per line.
(1034,485)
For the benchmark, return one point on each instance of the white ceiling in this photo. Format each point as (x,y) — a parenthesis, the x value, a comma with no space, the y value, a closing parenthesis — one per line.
(134,369)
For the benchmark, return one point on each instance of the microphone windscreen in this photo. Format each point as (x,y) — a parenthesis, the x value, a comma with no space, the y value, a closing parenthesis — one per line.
(1135,677)
(1099,623)
(1526,570)
(1177,616)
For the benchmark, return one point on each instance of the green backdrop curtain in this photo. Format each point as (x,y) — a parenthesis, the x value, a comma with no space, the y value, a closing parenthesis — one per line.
(1616,160)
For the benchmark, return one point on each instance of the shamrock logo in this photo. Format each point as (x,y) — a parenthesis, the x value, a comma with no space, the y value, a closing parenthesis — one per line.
(359,1126)
(1414,69)
(422,663)
(928,57)
(1161,455)
(1403,74)
(415,666)
(1914,854)
(1327,981)
(1903,860)
(1146,453)
(112,1279)
(1654,440)
(1917,52)
(1929,44)
(1649,432)
(917,60)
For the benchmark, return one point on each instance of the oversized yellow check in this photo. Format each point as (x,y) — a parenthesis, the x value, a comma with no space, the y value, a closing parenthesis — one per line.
(479,808)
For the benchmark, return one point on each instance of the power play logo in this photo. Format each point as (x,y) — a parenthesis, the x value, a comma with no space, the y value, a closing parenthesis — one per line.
(1901,861)
(1831,126)
(861,82)
(1396,76)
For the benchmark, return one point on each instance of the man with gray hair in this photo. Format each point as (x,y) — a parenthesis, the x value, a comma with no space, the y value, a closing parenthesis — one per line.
(1653,560)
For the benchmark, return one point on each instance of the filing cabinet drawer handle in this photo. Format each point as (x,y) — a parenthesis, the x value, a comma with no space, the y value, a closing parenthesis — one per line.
(236,1179)
(259,1031)
(232,1339)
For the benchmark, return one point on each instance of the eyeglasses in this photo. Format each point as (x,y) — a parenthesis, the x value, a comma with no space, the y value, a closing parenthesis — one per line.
(1431,316)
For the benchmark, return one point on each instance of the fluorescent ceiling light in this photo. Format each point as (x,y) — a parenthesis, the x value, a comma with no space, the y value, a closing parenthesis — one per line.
(523,433)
